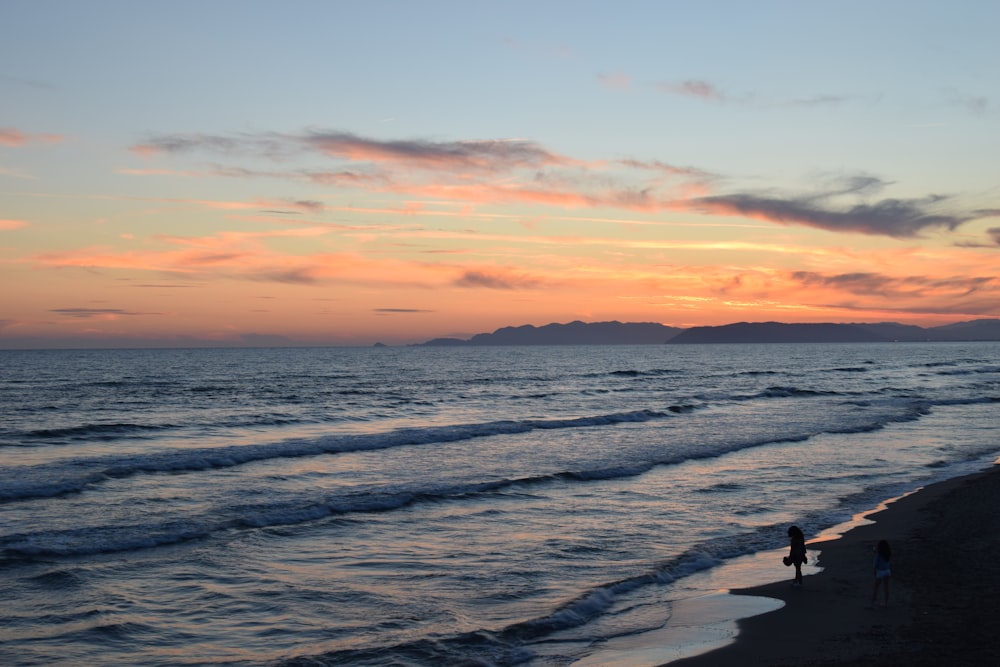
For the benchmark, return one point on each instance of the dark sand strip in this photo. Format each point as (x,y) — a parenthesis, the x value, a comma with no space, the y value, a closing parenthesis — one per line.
(943,608)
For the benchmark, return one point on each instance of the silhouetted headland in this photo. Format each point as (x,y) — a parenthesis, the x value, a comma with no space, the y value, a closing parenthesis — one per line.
(652,333)
(573,333)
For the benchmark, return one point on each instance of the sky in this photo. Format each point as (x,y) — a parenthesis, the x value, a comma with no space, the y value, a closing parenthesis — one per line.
(345,173)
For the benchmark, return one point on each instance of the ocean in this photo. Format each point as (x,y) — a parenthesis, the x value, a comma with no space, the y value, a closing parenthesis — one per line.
(441,506)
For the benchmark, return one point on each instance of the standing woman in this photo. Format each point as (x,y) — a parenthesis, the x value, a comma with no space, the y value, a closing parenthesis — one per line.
(796,553)
(883,554)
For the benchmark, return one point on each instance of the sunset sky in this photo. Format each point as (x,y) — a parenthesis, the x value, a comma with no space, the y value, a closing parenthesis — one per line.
(341,173)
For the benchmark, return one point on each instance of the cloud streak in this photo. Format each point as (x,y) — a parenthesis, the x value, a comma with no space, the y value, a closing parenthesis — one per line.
(877,284)
(496,280)
(524,172)
(13,137)
(937,295)
(490,156)
(400,310)
(888,217)
(615,80)
(696,88)
(96,313)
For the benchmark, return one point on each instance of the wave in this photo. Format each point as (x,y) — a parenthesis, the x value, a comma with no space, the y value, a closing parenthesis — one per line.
(96,431)
(980,370)
(788,392)
(508,645)
(776,391)
(305,509)
(651,372)
(513,644)
(108,432)
(113,538)
(75,475)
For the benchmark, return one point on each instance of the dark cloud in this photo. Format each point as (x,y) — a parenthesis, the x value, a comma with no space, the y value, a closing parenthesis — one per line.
(489,155)
(694,88)
(656,165)
(877,284)
(163,285)
(85,313)
(26,83)
(976,104)
(300,206)
(182,143)
(481,155)
(214,257)
(238,172)
(991,243)
(345,177)
(309,205)
(890,217)
(287,276)
(857,184)
(494,281)
(401,310)
(820,100)
(994,234)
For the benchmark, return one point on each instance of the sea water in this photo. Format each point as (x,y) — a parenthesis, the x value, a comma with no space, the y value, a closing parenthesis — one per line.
(439,506)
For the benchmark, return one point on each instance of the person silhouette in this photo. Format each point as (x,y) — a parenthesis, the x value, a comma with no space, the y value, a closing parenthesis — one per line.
(883,554)
(796,553)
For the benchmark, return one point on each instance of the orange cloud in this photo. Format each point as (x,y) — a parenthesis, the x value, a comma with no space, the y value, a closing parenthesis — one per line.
(12,224)
(615,80)
(10,136)
(16,173)
(146,150)
(245,256)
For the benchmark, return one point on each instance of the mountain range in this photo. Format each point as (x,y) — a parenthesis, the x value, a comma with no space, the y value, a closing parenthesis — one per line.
(652,333)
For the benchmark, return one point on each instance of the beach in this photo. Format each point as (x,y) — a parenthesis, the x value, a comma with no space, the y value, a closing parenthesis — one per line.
(942,608)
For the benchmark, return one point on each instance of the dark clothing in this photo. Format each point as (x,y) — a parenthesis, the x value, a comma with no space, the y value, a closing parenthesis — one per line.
(797,553)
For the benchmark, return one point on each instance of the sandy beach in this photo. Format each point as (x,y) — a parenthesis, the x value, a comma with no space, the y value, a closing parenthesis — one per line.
(942,609)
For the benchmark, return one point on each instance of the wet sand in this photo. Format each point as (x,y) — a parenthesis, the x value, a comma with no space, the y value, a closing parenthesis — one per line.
(942,609)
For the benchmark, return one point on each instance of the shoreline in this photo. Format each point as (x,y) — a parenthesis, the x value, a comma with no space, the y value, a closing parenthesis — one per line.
(944,538)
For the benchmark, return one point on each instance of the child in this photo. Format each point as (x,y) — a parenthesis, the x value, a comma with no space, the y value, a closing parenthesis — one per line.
(883,554)
(796,553)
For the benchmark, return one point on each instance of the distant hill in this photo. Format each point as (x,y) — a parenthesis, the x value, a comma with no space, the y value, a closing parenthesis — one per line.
(777,332)
(573,333)
(973,330)
(652,333)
